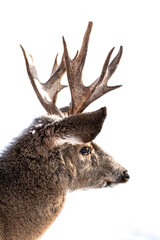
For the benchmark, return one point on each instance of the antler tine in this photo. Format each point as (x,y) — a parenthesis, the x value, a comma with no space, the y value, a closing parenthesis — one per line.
(79,93)
(100,84)
(114,64)
(46,92)
(55,65)
(53,86)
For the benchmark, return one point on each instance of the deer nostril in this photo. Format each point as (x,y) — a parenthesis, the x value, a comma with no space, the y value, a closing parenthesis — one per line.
(126,175)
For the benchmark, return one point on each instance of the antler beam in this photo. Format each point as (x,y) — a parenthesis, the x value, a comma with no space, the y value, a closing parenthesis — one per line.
(79,93)
(82,96)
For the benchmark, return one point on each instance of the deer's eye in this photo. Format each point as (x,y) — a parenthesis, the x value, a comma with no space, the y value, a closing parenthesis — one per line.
(85,150)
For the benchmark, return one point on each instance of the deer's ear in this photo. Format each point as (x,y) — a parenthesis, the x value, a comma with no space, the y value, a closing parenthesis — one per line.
(80,128)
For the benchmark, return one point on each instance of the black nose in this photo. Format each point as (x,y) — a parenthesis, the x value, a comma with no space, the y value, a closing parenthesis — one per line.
(126,175)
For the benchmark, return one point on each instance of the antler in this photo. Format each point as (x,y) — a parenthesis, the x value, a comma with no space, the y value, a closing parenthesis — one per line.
(82,96)
(47,92)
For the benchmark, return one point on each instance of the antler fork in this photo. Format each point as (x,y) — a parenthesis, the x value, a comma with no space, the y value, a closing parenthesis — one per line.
(47,92)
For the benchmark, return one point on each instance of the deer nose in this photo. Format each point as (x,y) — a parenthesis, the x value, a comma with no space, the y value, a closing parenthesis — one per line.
(126,175)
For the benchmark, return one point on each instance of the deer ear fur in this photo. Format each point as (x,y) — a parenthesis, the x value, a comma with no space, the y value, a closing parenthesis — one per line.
(80,128)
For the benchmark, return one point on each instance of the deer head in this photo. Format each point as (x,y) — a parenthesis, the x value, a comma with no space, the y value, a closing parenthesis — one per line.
(74,133)
(56,152)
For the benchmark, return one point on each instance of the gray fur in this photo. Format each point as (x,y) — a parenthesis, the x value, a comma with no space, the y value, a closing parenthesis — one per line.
(35,172)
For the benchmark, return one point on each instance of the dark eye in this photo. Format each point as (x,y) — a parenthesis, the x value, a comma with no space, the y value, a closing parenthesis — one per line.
(85,150)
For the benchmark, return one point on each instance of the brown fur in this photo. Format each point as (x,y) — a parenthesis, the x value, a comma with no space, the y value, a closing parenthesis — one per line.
(35,174)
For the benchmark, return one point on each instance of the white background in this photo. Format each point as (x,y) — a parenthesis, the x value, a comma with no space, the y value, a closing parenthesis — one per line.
(131,132)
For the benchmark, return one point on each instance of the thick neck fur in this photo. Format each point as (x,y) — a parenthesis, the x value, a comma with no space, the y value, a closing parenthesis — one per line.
(33,183)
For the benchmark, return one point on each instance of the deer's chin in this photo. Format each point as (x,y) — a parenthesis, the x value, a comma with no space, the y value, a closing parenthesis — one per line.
(108,184)
(113,184)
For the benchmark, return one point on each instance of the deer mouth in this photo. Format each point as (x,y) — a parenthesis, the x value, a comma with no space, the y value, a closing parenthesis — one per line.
(109,184)
(112,183)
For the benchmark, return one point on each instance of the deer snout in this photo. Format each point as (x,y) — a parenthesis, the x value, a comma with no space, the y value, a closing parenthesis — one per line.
(125,176)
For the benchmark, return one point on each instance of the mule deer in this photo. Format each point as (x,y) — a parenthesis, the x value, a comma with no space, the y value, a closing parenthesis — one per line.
(56,153)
